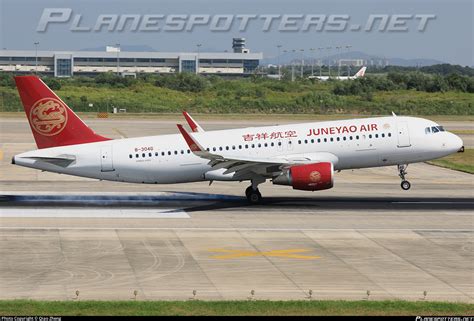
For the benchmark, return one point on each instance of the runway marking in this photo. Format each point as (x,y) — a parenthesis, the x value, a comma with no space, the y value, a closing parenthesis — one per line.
(429,202)
(290,253)
(91,213)
(224,229)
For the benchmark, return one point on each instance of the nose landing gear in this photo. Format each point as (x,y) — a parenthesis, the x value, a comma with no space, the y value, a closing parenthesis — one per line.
(402,172)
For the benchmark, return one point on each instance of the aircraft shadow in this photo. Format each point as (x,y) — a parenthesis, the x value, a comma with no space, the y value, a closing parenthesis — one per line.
(197,202)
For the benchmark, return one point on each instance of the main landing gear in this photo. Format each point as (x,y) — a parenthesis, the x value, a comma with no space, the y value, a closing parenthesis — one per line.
(402,172)
(253,195)
(252,192)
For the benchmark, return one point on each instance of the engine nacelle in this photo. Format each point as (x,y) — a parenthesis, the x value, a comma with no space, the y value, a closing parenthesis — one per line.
(311,177)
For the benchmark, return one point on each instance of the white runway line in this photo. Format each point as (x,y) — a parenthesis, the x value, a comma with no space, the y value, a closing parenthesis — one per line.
(92,213)
(234,229)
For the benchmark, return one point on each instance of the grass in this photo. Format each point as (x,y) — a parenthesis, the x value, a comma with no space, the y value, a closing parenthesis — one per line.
(463,162)
(139,308)
(257,117)
(246,97)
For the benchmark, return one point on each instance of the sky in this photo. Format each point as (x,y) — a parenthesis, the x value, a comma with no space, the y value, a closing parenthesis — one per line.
(448,37)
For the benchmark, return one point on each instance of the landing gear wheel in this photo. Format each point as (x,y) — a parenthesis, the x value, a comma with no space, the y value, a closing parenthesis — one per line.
(248,191)
(405,185)
(253,196)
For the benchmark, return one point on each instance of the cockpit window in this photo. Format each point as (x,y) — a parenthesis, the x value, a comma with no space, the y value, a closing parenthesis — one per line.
(434,129)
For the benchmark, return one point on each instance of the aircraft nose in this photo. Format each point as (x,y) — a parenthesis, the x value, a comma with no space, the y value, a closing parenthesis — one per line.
(456,143)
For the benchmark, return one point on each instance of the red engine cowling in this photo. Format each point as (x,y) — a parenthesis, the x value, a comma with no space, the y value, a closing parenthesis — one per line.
(311,177)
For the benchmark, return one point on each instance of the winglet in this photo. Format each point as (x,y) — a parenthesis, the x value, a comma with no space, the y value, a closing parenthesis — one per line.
(192,123)
(194,146)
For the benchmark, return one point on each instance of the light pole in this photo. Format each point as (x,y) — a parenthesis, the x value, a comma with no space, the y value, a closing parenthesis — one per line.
(320,60)
(36,57)
(348,47)
(302,62)
(198,51)
(279,67)
(293,66)
(118,58)
(329,62)
(338,60)
(312,62)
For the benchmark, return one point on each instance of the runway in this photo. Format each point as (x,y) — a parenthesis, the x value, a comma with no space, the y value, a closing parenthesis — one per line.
(60,234)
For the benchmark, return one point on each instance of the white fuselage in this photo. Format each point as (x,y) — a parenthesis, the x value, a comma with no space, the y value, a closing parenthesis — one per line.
(165,159)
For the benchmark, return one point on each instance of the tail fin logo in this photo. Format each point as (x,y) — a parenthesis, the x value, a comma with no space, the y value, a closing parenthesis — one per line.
(48,116)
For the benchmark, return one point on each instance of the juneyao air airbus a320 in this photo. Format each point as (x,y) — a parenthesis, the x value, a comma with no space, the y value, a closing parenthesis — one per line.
(303,156)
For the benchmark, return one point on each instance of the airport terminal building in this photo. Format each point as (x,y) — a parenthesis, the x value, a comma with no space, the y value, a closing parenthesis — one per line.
(89,63)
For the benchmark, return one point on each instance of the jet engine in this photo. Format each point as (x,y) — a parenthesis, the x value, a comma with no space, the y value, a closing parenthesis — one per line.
(310,177)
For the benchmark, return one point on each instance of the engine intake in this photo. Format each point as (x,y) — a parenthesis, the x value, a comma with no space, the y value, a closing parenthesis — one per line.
(310,177)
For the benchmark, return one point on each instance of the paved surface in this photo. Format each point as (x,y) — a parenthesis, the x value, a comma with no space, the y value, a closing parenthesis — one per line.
(60,234)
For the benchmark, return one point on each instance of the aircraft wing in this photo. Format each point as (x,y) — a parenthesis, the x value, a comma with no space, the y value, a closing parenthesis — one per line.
(259,165)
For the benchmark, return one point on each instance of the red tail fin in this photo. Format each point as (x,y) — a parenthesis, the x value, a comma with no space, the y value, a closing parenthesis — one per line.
(52,122)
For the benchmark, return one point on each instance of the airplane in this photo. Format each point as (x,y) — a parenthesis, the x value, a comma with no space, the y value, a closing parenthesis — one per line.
(359,74)
(304,156)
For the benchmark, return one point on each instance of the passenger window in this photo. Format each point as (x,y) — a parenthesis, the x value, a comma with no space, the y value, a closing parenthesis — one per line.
(344,138)
(266,145)
(357,136)
(337,138)
(325,140)
(176,152)
(227,148)
(319,140)
(182,152)
(150,154)
(156,153)
(350,137)
(246,146)
(299,142)
(272,144)
(162,153)
(370,136)
(389,134)
(312,141)
(214,149)
(240,146)
(332,139)
(169,152)
(143,155)
(383,135)
(220,148)
(136,155)
(130,156)
(305,141)
(376,135)
(233,147)
(259,145)
(253,145)
(189,152)
(279,143)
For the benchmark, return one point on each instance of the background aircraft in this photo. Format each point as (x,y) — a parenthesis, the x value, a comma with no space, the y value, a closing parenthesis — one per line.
(359,74)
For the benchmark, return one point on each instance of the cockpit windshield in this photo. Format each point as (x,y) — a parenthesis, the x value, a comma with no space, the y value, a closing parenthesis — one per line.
(434,129)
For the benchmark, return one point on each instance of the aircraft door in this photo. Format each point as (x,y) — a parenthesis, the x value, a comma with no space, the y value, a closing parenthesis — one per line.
(403,135)
(106,159)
